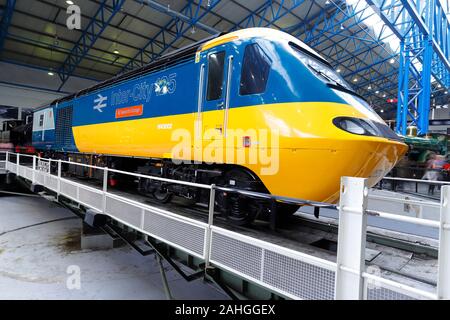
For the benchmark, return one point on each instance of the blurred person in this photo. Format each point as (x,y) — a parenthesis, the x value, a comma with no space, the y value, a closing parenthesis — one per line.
(435,164)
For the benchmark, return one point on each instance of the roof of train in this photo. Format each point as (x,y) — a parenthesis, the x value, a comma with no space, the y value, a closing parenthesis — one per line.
(266,33)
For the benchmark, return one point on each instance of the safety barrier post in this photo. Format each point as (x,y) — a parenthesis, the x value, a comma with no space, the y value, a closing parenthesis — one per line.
(7,161)
(443,285)
(212,199)
(105,187)
(59,178)
(34,170)
(18,163)
(351,239)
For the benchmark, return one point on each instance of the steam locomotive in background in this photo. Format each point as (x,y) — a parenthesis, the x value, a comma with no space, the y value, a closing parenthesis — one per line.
(16,135)
(252,79)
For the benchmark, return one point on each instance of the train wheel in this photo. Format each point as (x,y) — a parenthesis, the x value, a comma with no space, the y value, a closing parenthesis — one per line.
(239,210)
(162,196)
(242,211)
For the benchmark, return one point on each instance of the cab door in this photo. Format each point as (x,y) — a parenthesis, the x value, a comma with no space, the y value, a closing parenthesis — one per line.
(216,73)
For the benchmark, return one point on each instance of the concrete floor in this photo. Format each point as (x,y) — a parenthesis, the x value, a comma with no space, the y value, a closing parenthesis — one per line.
(40,242)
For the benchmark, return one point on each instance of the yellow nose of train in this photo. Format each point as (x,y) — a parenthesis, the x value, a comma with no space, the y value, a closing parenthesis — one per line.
(315,153)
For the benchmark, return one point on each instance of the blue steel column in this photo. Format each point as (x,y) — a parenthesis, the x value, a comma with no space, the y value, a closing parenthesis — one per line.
(403,102)
(424,29)
(424,98)
(400,104)
(405,94)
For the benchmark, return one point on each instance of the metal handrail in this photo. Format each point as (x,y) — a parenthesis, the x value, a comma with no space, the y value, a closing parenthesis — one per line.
(397,217)
(417,180)
(203,186)
(407,201)
(278,198)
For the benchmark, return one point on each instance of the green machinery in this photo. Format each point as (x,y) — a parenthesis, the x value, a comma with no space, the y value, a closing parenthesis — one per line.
(413,165)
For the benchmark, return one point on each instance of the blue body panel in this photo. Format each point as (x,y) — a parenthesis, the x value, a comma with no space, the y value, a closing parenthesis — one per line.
(44,139)
(162,93)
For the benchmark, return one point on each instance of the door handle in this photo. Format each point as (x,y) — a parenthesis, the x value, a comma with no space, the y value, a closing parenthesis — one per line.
(220,105)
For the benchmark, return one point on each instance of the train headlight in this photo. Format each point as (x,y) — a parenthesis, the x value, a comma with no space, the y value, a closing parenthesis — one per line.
(356,126)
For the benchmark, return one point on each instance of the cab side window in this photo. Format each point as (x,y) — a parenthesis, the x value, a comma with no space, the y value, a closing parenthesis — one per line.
(41,120)
(216,62)
(255,70)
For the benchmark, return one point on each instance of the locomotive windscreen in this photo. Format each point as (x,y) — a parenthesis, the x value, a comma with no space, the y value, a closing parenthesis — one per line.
(320,67)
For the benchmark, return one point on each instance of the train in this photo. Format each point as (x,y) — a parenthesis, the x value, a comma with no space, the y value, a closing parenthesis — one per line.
(255,109)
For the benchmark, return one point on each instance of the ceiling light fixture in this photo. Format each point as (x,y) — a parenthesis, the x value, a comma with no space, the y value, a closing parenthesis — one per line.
(69,2)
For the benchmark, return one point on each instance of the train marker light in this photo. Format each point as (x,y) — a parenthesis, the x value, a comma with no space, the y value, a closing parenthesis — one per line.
(247,142)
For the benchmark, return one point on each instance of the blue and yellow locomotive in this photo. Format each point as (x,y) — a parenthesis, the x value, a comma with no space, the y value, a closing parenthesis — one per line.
(254,109)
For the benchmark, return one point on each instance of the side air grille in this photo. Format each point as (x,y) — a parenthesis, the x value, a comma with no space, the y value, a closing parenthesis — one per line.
(64,136)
